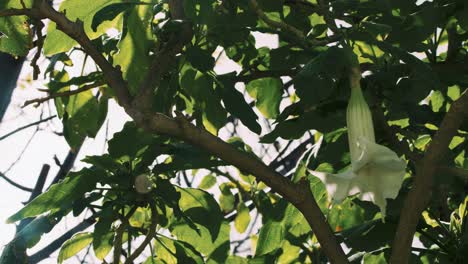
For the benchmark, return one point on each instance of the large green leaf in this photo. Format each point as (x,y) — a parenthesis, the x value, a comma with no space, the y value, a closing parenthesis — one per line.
(236,105)
(59,196)
(82,119)
(133,56)
(200,87)
(267,92)
(109,13)
(172,251)
(119,147)
(270,239)
(102,237)
(197,204)
(57,41)
(200,238)
(16,36)
(209,235)
(319,77)
(74,245)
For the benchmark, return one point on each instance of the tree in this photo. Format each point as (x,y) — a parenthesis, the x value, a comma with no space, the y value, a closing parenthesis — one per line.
(160,69)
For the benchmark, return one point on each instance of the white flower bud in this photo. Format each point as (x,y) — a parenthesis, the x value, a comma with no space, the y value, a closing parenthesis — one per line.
(143,184)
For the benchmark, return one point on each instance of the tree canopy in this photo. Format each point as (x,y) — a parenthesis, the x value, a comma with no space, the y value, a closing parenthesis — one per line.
(183,182)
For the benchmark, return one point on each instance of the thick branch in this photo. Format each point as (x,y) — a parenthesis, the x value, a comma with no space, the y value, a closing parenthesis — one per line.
(299,195)
(420,194)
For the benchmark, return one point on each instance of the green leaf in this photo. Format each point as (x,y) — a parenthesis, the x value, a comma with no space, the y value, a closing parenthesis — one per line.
(319,191)
(60,195)
(102,238)
(200,87)
(16,37)
(57,41)
(236,105)
(374,259)
(109,13)
(82,119)
(267,92)
(318,79)
(199,11)
(290,253)
(200,59)
(242,220)
(74,245)
(119,147)
(201,239)
(104,245)
(31,233)
(197,204)
(207,182)
(133,56)
(226,199)
(105,162)
(270,238)
(173,251)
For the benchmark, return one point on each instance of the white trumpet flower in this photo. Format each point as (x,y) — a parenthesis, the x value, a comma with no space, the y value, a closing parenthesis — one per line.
(376,172)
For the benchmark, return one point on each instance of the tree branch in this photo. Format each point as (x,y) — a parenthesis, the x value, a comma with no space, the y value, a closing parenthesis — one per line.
(298,194)
(420,194)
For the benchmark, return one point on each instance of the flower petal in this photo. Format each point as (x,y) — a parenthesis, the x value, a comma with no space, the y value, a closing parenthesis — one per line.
(378,155)
(337,185)
(380,173)
(376,175)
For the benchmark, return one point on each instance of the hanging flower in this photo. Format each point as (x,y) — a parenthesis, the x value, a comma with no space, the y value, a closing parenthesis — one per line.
(376,172)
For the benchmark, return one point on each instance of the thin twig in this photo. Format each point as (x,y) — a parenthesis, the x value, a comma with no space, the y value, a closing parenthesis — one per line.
(23,150)
(327,16)
(119,235)
(63,94)
(149,235)
(276,24)
(17,185)
(27,126)
(40,42)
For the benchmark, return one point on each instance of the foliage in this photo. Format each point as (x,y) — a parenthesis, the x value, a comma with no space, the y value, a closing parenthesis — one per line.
(413,56)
